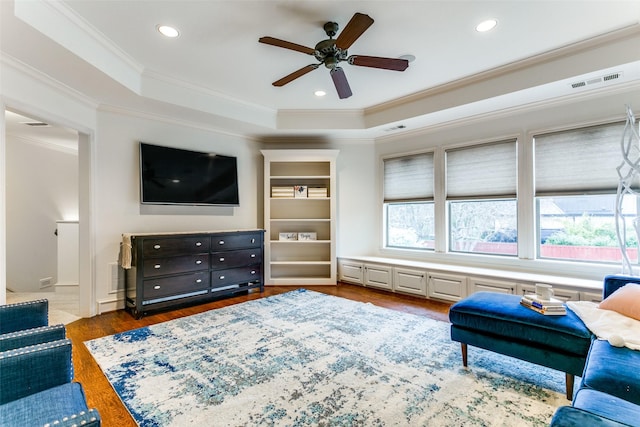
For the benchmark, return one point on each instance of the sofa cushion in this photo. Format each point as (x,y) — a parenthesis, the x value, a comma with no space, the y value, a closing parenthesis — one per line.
(625,300)
(44,407)
(567,416)
(502,315)
(607,406)
(613,370)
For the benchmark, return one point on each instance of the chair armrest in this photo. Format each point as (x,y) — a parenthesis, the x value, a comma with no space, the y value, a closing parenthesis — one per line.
(24,315)
(89,418)
(28,370)
(32,336)
(615,281)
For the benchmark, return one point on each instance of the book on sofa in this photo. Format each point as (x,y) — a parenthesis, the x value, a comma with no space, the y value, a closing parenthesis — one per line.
(551,307)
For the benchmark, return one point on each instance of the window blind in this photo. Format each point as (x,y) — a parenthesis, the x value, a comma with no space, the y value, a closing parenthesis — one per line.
(482,171)
(408,178)
(580,161)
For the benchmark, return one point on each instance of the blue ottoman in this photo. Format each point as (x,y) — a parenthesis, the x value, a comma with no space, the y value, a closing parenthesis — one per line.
(498,322)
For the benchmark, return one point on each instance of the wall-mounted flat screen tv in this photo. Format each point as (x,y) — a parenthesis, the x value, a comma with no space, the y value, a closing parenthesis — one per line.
(172,176)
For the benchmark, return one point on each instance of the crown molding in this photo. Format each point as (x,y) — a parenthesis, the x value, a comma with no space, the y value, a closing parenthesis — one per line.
(62,25)
(35,74)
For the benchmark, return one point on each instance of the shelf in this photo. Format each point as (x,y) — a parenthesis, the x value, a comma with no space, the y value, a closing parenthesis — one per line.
(288,242)
(300,261)
(299,177)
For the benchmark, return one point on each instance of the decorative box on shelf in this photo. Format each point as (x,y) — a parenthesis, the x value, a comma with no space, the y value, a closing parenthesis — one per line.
(307,236)
(300,191)
(288,236)
(281,192)
(317,192)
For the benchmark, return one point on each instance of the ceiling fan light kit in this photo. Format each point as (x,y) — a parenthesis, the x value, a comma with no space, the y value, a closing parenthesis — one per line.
(331,52)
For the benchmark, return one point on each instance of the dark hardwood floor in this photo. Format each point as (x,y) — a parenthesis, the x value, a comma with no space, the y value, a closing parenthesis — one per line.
(101,395)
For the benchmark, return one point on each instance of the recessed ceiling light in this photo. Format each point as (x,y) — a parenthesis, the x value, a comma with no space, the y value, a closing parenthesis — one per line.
(168,31)
(319,93)
(487,25)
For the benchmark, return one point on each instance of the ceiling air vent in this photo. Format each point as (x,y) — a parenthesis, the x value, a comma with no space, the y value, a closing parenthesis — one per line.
(36,124)
(578,84)
(395,128)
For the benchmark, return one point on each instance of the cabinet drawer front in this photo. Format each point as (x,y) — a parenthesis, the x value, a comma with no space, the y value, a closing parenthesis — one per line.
(177,246)
(166,286)
(221,260)
(235,276)
(236,241)
(176,264)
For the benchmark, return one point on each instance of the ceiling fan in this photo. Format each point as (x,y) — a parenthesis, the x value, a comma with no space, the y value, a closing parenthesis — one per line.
(331,52)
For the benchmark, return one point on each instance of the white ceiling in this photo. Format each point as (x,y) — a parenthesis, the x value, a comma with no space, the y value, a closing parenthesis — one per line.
(217,73)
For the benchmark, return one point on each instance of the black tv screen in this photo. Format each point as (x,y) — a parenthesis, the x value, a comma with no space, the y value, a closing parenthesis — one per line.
(171,176)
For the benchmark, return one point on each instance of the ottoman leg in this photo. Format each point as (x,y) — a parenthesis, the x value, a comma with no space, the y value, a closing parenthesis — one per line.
(569,382)
(464,356)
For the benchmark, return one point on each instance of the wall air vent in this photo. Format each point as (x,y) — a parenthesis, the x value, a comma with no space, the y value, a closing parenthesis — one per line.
(596,80)
(611,77)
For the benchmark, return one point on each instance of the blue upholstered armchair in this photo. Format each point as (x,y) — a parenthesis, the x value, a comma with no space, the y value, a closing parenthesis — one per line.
(23,315)
(24,324)
(36,371)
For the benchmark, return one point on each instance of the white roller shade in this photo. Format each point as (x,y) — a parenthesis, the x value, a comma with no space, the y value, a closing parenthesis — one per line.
(482,171)
(408,178)
(579,161)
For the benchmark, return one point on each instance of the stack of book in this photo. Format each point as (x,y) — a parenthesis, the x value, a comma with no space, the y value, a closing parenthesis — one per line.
(551,307)
(317,192)
(282,192)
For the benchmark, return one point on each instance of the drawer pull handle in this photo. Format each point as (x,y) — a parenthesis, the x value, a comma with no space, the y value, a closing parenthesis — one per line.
(221,277)
(156,287)
(199,281)
(156,266)
(253,272)
(199,262)
(221,259)
(221,242)
(252,255)
(253,240)
(198,243)
(156,246)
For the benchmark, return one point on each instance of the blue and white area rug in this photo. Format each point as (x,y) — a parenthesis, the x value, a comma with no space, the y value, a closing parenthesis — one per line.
(308,359)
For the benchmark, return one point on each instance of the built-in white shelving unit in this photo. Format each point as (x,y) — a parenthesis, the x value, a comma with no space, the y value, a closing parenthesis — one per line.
(307,212)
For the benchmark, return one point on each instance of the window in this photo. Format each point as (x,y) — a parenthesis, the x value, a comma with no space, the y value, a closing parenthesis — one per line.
(576,183)
(408,202)
(481,198)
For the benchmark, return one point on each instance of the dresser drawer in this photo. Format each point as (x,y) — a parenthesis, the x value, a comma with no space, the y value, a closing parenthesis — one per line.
(236,241)
(222,260)
(177,264)
(167,286)
(235,276)
(175,246)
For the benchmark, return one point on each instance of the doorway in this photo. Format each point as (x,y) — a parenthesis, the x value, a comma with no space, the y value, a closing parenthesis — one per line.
(42,202)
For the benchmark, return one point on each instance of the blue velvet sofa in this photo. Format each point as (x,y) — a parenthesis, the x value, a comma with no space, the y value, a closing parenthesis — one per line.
(609,392)
(36,371)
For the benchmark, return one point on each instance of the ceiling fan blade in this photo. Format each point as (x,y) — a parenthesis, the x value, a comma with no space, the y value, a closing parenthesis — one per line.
(299,73)
(379,62)
(354,29)
(287,45)
(341,83)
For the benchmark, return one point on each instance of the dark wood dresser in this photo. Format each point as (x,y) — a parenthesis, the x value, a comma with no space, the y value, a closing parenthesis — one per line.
(168,270)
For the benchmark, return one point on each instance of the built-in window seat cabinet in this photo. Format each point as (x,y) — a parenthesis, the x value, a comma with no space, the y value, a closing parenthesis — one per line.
(454,282)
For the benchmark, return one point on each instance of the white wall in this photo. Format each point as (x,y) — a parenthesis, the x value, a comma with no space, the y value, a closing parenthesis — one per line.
(42,188)
(118,210)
